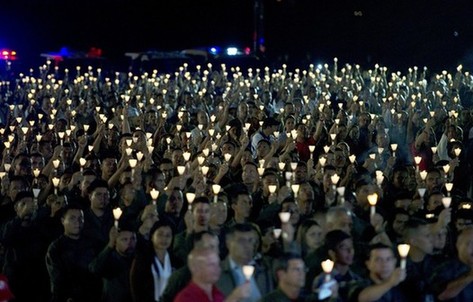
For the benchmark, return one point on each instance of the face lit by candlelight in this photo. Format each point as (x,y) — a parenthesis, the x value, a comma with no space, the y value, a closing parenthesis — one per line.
(381,263)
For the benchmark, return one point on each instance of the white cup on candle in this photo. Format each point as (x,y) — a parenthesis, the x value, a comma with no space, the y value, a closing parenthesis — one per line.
(248,271)
(403,250)
(117,213)
(372,200)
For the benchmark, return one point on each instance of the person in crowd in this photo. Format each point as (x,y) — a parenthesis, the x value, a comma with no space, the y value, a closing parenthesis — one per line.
(113,264)
(382,282)
(93,126)
(452,280)
(289,270)
(241,241)
(153,263)
(204,264)
(68,259)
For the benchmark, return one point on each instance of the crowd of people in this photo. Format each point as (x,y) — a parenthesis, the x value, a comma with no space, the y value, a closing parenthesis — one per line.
(216,183)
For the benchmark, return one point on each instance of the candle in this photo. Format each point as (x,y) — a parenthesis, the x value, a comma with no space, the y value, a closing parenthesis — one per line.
(277,233)
(372,200)
(154,195)
(295,189)
(248,271)
(327,267)
(403,250)
(449,187)
(190,199)
(421,192)
(216,190)
(272,189)
(446,201)
(417,160)
(117,212)
(55,181)
(181,170)
(341,192)
(311,149)
(284,216)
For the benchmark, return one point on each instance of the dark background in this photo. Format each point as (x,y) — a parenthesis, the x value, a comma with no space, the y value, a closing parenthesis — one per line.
(398,34)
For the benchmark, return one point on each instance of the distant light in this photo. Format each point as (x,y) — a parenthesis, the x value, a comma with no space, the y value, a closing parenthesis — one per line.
(213,50)
(232,51)
(247,50)
(319,66)
(7,54)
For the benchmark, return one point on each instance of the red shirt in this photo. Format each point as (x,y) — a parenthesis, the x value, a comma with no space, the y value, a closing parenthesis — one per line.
(192,292)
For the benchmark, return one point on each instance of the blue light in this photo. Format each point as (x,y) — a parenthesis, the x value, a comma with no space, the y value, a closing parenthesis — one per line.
(213,50)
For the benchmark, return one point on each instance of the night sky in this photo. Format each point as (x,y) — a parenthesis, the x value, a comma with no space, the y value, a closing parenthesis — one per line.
(397,33)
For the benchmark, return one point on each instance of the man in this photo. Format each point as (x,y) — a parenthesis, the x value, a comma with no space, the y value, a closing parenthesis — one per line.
(173,209)
(270,125)
(181,277)
(204,265)
(198,222)
(241,241)
(114,262)
(241,204)
(98,218)
(78,186)
(420,263)
(290,272)
(68,259)
(25,248)
(453,280)
(383,277)
(341,251)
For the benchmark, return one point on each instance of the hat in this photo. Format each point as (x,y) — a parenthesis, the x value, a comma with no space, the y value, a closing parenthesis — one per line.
(5,292)
(270,121)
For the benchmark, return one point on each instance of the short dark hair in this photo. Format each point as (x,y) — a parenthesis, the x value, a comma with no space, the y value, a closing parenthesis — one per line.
(23,194)
(97,183)
(68,207)
(282,262)
(378,246)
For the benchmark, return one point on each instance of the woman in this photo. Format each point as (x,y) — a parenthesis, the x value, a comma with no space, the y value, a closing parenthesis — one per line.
(310,236)
(152,265)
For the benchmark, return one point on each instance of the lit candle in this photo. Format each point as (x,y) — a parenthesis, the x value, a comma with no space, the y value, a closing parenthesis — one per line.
(372,200)
(311,149)
(216,189)
(272,189)
(181,170)
(449,187)
(190,199)
(154,195)
(284,216)
(55,181)
(417,160)
(82,162)
(327,267)
(403,250)
(295,189)
(117,212)
(446,201)
(248,271)
(341,192)
(423,175)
